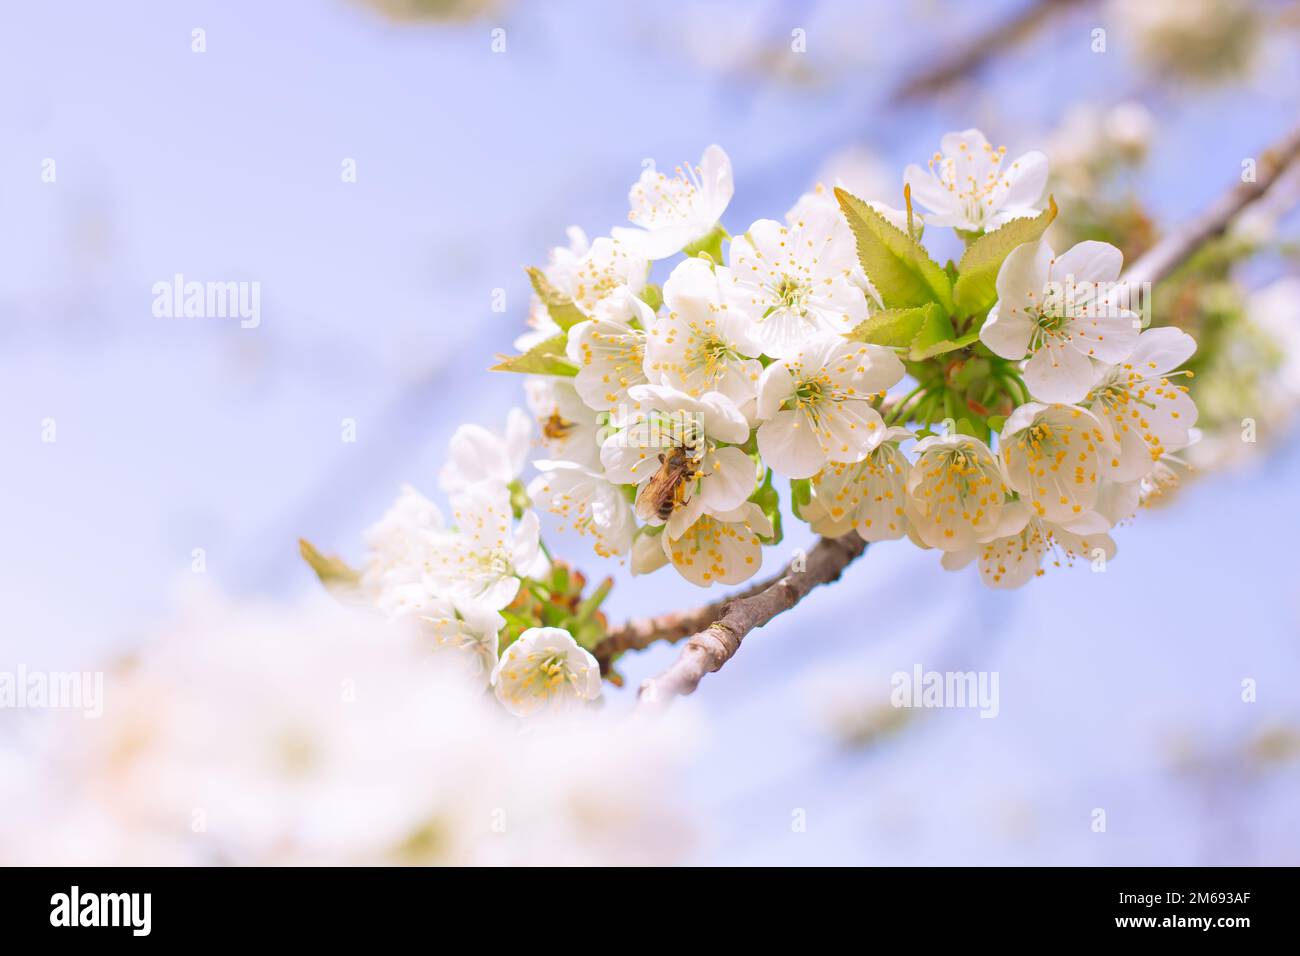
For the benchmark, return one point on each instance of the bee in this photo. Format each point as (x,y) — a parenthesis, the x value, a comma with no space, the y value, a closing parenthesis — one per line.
(663,492)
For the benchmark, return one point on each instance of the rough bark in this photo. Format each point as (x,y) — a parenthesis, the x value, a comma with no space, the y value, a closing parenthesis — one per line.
(716,644)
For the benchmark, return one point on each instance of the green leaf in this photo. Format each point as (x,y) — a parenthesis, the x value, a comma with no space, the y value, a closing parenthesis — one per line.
(332,571)
(925,331)
(976,288)
(945,343)
(559,306)
(544,358)
(897,265)
(934,337)
(896,327)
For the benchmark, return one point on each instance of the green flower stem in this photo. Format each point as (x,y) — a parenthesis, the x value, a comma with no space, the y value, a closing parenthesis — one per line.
(591,604)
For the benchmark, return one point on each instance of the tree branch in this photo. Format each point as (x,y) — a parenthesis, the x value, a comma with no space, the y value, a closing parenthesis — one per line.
(1178,246)
(968,59)
(721,626)
(712,647)
(640,632)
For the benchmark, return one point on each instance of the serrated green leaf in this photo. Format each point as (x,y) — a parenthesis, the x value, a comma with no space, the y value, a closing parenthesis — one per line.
(895,327)
(544,358)
(934,336)
(332,571)
(559,306)
(944,344)
(976,288)
(897,265)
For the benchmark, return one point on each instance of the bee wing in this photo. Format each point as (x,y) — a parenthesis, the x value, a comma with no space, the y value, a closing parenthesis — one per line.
(647,502)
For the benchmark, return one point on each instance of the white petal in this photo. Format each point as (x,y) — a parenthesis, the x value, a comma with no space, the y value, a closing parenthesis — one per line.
(1007,335)
(852,430)
(1107,338)
(1022,279)
(774,388)
(971,141)
(692,280)
(1059,373)
(527,557)
(1088,261)
(790,446)
(519,429)
(716,181)
(730,479)
(1027,178)
(783,332)
(1159,351)
(723,421)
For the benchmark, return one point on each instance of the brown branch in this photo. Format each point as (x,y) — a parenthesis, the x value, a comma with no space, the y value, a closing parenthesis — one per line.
(640,632)
(712,647)
(1178,246)
(971,57)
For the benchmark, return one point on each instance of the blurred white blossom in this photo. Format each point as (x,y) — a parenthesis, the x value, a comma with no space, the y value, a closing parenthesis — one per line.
(312,734)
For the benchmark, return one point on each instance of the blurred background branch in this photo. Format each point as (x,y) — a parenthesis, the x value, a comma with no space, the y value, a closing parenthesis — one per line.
(966,60)
(1180,244)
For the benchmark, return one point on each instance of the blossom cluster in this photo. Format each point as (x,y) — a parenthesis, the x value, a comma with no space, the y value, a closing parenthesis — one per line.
(777,361)
(1008,409)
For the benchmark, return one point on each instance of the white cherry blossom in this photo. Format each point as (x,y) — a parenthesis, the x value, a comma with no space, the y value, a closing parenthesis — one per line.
(607,267)
(609,349)
(703,343)
(587,503)
(467,632)
(794,281)
(570,428)
(1145,415)
(868,495)
(816,405)
(956,492)
(1055,457)
(561,272)
(716,478)
(545,670)
(1165,476)
(484,558)
(1012,559)
(717,549)
(400,544)
(1063,311)
(970,186)
(477,455)
(673,213)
